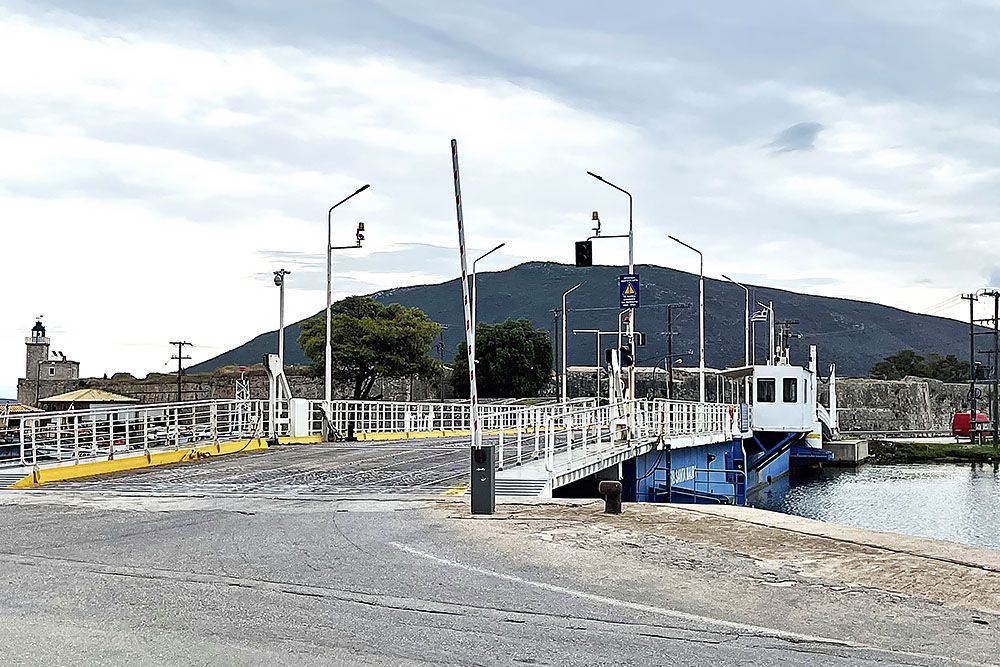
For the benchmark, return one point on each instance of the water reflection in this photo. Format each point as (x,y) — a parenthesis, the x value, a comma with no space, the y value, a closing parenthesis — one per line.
(958,502)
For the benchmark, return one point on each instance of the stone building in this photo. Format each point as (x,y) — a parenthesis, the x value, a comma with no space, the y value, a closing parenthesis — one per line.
(45,373)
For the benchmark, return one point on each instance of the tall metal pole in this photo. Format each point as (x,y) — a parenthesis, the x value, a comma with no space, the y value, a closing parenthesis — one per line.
(597,367)
(281,324)
(701,317)
(475,292)
(971,298)
(631,270)
(328,374)
(994,396)
(746,334)
(470,332)
(565,318)
(770,321)
(279,280)
(670,352)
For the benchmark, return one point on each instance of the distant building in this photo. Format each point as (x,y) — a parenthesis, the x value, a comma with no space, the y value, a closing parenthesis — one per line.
(84,399)
(44,375)
(10,420)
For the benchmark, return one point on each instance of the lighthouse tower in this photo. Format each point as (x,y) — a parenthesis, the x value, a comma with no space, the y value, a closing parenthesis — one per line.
(44,375)
(38,349)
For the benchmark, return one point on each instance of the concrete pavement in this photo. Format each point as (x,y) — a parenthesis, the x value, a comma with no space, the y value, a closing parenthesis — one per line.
(120,578)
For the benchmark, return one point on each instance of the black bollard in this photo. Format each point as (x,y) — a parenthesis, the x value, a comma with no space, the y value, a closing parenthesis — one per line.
(612,492)
(484,491)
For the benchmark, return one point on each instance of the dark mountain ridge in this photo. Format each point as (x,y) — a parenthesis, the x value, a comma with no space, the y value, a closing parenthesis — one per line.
(852,334)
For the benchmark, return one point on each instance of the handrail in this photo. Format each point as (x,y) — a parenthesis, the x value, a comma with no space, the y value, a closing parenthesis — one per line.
(627,422)
(726,471)
(104,432)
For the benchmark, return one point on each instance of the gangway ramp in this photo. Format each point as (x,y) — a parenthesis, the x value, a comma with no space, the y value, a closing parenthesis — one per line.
(581,442)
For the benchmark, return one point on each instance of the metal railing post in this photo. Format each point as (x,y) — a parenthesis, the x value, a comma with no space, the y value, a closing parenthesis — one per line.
(520,434)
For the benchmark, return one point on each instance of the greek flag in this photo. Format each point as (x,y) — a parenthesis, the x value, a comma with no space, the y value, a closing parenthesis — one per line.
(759,316)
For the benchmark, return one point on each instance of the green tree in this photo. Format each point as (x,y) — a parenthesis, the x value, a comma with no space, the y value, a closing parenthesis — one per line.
(947,369)
(369,341)
(898,366)
(514,360)
(935,367)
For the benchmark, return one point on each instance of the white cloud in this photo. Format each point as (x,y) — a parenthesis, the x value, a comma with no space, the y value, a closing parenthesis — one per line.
(152,166)
(144,239)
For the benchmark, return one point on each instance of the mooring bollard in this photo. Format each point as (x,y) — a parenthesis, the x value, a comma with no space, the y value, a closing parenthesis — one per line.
(612,492)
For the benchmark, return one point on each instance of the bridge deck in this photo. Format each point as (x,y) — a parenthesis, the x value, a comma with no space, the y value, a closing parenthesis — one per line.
(430,467)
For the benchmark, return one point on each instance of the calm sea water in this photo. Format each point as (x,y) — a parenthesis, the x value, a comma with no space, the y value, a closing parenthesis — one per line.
(957,502)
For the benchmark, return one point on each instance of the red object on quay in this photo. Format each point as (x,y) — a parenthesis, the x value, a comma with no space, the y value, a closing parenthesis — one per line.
(961,424)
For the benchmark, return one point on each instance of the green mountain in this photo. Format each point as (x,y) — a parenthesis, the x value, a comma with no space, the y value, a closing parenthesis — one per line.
(852,334)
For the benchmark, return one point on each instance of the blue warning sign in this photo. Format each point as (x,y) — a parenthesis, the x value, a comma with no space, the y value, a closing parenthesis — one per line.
(628,290)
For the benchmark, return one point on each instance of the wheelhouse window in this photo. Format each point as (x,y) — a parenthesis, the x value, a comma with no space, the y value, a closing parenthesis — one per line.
(765,390)
(790,390)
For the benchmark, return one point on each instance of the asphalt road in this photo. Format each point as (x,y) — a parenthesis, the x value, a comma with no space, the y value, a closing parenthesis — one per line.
(423,467)
(108,573)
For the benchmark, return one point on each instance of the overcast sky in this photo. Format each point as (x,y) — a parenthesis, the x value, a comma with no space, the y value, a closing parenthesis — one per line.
(160,160)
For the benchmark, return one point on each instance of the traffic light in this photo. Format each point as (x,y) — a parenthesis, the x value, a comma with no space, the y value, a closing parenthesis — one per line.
(625,354)
(584,253)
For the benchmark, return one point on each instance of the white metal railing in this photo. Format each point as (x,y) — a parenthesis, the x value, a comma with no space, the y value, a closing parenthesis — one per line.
(374,417)
(585,432)
(579,426)
(104,432)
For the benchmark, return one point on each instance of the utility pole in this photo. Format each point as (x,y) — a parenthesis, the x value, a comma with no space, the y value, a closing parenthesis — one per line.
(181,358)
(995,383)
(971,298)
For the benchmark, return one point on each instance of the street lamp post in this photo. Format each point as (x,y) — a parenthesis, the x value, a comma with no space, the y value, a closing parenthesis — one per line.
(475,294)
(631,270)
(279,281)
(328,374)
(670,345)
(565,317)
(746,334)
(701,317)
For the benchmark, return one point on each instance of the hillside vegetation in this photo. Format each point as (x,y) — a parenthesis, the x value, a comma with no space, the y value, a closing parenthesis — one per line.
(853,334)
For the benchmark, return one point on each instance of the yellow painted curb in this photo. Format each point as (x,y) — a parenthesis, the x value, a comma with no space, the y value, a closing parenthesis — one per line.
(300,440)
(456,490)
(418,435)
(132,461)
(407,435)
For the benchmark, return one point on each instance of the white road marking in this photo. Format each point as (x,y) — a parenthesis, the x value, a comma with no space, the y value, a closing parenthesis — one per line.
(756,630)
